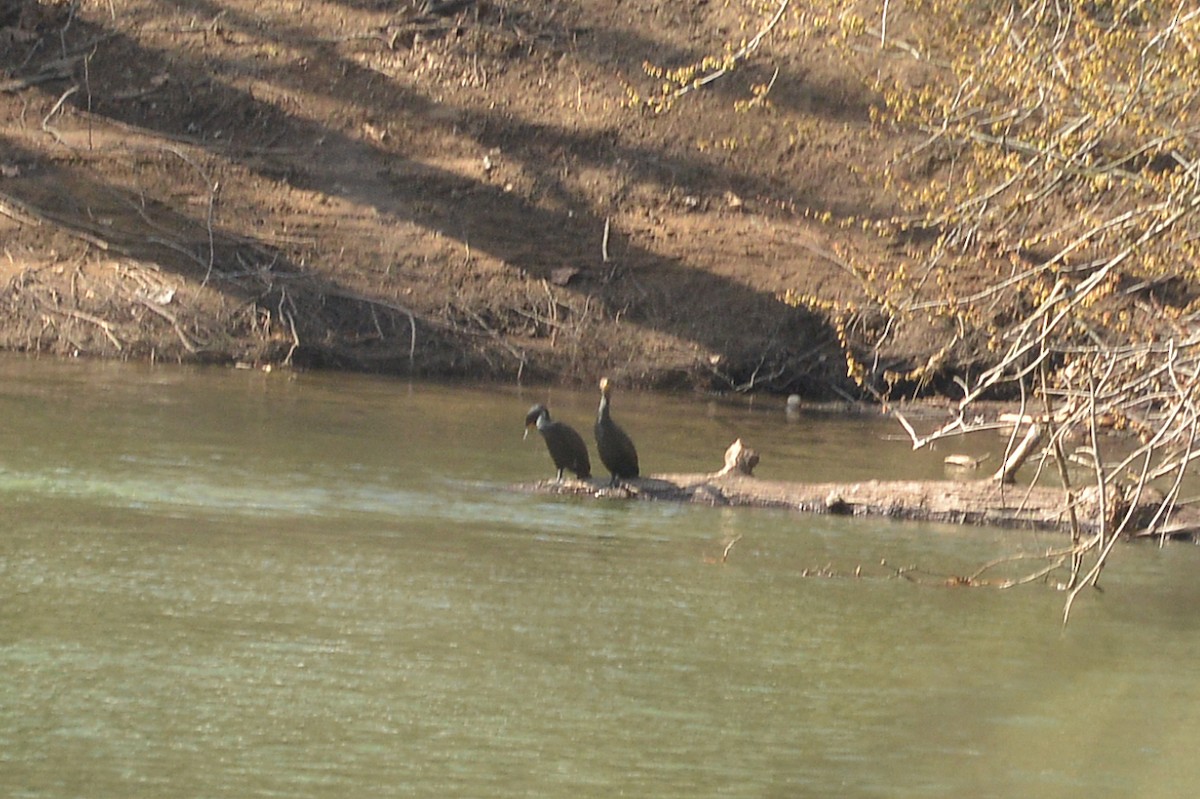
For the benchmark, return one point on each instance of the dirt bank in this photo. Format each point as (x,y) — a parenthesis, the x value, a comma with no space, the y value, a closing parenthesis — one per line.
(468,190)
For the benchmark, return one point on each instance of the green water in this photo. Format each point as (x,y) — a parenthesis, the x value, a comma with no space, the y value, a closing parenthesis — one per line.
(217,583)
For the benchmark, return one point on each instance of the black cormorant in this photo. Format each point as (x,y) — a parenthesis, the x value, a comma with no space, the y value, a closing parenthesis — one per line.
(566,446)
(616,449)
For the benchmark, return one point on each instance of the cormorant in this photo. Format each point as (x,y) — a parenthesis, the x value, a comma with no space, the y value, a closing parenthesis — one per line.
(566,446)
(616,449)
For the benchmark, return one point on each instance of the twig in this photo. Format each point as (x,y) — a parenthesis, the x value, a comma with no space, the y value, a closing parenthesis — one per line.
(1064,477)
(170,317)
(741,55)
(54,110)
(991,564)
(412,319)
(291,320)
(105,326)
(213,187)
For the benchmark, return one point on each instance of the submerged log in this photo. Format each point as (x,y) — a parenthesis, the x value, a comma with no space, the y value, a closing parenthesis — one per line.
(974,502)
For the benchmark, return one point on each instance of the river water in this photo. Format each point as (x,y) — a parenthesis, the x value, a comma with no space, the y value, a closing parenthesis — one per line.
(219,583)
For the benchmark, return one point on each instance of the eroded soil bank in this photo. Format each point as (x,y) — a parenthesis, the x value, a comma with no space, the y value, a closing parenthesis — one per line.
(454,188)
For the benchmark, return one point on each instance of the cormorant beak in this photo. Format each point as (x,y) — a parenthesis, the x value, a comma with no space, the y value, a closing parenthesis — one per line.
(528,427)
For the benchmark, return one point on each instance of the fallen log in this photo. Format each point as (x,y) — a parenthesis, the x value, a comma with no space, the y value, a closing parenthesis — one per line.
(978,502)
(973,502)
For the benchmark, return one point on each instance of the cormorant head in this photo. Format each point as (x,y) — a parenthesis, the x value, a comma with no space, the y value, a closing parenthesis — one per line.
(531,418)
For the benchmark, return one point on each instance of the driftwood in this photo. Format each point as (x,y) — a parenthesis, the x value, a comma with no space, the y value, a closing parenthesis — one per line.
(977,502)
(974,502)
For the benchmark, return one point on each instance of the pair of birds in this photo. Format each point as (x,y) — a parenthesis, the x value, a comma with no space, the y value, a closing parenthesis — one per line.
(568,451)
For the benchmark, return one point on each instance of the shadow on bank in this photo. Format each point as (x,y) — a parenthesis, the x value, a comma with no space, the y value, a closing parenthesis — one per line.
(297,310)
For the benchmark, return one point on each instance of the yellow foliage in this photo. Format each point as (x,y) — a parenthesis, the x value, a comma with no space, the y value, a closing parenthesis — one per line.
(1056,142)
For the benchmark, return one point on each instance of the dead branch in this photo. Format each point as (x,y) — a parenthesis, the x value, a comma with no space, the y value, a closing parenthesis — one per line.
(391,306)
(18,210)
(732,62)
(154,307)
(728,547)
(61,69)
(105,326)
(1007,472)
(213,187)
